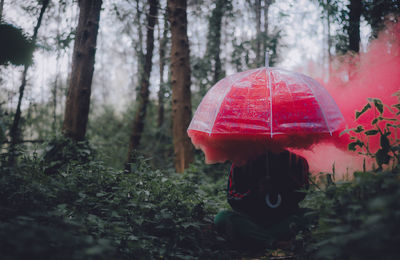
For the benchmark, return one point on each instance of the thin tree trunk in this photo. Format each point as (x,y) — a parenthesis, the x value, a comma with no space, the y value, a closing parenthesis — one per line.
(78,99)
(15,131)
(55,87)
(1,9)
(267,4)
(55,92)
(161,91)
(140,52)
(354,26)
(258,33)
(354,35)
(328,19)
(180,80)
(138,123)
(217,14)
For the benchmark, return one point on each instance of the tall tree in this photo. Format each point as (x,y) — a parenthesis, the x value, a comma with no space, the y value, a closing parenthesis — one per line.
(264,41)
(15,131)
(208,69)
(162,48)
(355,8)
(143,97)
(258,33)
(180,80)
(214,38)
(1,9)
(78,99)
(267,4)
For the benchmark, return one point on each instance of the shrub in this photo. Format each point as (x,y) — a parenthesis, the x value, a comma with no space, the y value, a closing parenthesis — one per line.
(89,211)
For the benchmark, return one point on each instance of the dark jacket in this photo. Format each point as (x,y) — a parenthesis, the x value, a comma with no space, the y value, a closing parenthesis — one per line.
(268,188)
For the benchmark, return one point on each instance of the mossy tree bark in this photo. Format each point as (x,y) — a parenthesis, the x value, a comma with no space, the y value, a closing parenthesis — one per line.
(83,60)
(180,80)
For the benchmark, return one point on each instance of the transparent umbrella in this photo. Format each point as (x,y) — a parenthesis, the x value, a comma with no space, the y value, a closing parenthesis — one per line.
(263,109)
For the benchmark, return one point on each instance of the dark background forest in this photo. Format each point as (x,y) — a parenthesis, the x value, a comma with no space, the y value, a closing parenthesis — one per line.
(96,97)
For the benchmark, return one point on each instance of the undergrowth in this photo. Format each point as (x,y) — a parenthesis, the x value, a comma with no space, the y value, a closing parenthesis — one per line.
(89,211)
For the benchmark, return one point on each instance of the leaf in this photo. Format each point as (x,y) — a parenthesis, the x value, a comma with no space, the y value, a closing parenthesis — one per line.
(352,146)
(366,107)
(359,129)
(378,104)
(396,106)
(100,194)
(371,132)
(392,125)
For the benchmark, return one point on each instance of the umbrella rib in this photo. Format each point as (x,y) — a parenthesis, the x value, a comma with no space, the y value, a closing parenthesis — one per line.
(319,104)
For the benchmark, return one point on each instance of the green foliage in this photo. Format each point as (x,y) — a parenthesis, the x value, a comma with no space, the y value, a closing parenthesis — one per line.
(376,12)
(243,51)
(108,133)
(358,219)
(61,151)
(17,49)
(383,126)
(89,211)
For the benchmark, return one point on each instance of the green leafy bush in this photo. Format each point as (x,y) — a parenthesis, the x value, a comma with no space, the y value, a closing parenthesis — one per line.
(89,211)
(385,127)
(359,219)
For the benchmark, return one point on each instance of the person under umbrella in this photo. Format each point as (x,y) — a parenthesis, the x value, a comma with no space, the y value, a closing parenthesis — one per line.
(251,118)
(264,195)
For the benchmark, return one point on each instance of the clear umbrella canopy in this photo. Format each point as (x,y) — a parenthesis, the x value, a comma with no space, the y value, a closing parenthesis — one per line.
(264,108)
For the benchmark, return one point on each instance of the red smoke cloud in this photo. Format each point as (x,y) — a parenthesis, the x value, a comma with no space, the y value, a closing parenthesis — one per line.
(373,74)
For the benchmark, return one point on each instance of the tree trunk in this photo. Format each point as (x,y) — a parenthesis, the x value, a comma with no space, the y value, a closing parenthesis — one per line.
(143,98)
(161,91)
(15,131)
(258,33)
(139,47)
(216,25)
(56,80)
(328,21)
(78,99)
(267,4)
(1,9)
(180,80)
(354,25)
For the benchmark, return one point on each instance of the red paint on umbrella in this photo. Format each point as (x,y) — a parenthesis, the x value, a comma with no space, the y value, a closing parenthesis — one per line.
(267,108)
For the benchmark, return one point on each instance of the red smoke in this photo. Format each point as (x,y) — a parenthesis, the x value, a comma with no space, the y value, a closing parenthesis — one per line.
(373,74)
